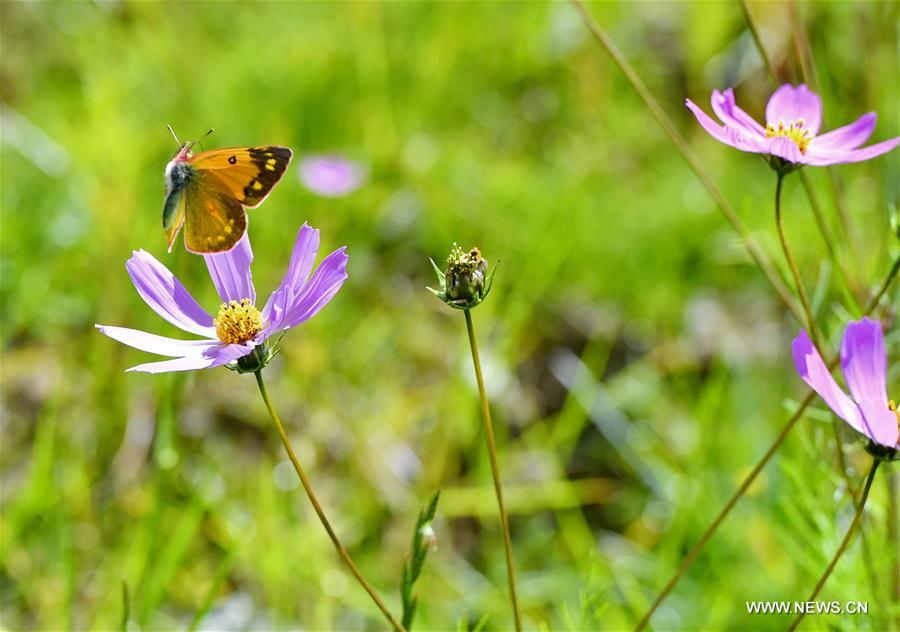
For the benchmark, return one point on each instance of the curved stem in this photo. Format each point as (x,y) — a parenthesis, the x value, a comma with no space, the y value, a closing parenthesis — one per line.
(495,469)
(801,291)
(712,528)
(315,503)
(756,253)
(851,286)
(748,480)
(844,542)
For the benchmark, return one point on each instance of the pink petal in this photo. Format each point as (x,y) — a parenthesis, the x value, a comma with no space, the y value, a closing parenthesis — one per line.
(785,148)
(820,157)
(864,361)
(306,247)
(167,296)
(324,284)
(813,371)
(880,422)
(159,345)
(788,104)
(846,137)
(230,271)
(723,133)
(215,356)
(725,107)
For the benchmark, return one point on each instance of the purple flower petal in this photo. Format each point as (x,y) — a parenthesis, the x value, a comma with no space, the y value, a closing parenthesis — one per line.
(324,284)
(819,157)
(812,369)
(847,137)
(725,107)
(787,104)
(159,345)
(330,176)
(230,272)
(880,422)
(723,133)
(864,361)
(167,296)
(306,247)
(216,355)
(785,148)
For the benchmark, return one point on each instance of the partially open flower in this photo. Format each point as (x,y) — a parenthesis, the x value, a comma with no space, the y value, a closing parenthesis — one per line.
(790,138)
(864,364)
(238,336)
(466,282)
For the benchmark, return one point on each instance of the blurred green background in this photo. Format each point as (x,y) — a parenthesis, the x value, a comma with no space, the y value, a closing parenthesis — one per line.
(637,361)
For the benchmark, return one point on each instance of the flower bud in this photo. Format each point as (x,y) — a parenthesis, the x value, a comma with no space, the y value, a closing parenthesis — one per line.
(466,282)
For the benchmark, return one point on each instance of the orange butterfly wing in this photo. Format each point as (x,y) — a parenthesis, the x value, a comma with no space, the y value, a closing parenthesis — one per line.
(222,183)
(214,220)
(248,173)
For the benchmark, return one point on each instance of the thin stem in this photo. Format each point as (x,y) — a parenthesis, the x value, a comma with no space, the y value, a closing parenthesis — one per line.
(801,48)
(807,185)
(754,32)
(844,542)
(884,287)
(893,528)
(751,477)
(753,249)
(853,491)
(801,291)
(826,236)
(712,528)
(318,508)
(495,469)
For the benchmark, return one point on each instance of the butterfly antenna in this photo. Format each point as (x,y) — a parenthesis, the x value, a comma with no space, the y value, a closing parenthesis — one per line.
(199,140)
(172,131)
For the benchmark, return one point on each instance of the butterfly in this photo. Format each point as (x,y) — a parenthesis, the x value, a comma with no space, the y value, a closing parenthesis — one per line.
(209,193)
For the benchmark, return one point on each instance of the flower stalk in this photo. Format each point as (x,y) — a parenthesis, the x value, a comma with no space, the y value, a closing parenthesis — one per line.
(804,177)
(753,249)
(318,508)
(751,477)
(423,541)
(846,541)
(495,468)
(795,273)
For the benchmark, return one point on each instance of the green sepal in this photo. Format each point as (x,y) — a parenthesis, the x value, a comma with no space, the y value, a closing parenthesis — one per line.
(257,359)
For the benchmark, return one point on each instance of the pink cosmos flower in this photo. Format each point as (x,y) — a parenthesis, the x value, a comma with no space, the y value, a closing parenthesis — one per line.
(791,133)
(239,328)
(864,364)
(331,176)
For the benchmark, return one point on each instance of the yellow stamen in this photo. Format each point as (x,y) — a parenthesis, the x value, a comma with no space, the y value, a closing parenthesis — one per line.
(794,131)
(238,322)
(893,406)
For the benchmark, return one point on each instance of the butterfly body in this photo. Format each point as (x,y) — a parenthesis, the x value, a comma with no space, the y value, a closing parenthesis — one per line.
(208,193)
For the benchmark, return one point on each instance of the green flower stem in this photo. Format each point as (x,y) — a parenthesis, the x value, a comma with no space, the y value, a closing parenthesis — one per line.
(801,291)
(756,253)
(315,503)
(495,469)
(751,477)
(892,481)
(844,542)
(807,184)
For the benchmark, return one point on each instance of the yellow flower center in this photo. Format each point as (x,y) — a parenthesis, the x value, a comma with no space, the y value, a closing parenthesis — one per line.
(795,131)
(238,322)
(893,406)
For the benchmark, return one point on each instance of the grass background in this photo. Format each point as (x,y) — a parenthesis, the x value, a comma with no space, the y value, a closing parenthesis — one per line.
(637,362)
